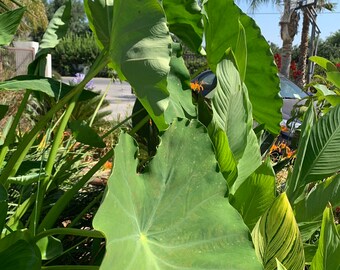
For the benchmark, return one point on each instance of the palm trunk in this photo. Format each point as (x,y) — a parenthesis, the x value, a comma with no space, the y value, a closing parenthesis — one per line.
(302,66)
(289,25)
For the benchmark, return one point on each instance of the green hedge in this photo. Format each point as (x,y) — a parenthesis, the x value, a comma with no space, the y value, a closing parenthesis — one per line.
(74,53)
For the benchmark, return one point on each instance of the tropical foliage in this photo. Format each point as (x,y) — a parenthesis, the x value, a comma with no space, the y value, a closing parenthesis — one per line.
(207,198)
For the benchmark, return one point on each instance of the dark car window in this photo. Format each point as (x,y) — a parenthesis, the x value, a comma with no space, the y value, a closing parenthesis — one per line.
(208,79)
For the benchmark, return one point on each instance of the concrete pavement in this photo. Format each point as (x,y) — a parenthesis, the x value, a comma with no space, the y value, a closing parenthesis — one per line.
(119,95)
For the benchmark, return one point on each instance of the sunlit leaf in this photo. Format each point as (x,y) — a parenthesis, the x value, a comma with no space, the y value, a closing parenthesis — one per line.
(174,215)
(324,63)
(276,236)
(327,255)
(232,114)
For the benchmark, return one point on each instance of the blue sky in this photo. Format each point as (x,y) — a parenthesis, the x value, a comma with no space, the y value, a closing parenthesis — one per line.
(267,17)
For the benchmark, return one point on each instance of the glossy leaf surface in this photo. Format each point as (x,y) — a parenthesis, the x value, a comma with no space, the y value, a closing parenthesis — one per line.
(276,235)
(174,215)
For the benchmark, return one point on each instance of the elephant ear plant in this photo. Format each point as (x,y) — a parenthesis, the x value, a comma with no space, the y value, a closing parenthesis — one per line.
(206,200)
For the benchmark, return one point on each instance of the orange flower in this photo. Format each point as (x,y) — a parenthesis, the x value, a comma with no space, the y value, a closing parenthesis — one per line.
(107,165)
(196,86)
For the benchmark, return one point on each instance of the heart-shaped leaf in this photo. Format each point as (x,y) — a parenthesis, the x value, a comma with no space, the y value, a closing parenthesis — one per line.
(175,215)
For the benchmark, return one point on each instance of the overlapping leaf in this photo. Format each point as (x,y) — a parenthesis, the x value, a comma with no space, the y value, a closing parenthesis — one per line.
(174,215)
(312,207)
(327,255)
(232,113)
(276,236)
(221,33)
(255,195)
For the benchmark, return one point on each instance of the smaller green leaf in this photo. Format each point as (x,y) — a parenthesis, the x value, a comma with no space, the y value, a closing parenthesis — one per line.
(57,28)
(27,179)
(334,77)
(312,207)
(9,22)
(83,133)
(322,90)
(50,247)
(324,63)
(276,235)
(334,100)
(3,110)
(48,86)
(327,255)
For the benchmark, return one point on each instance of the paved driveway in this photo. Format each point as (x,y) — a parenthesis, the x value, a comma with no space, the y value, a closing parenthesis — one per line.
(119,95)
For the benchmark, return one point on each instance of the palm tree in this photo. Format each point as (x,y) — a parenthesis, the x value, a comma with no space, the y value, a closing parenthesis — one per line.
(289,25)
(302,65)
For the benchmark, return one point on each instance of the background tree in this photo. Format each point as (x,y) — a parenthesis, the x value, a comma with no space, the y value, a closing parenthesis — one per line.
(330,48)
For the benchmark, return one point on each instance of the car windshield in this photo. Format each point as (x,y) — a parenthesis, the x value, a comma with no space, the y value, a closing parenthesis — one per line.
(290,90)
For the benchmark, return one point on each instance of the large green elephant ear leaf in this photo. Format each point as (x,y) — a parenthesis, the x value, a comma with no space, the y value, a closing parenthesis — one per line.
(232,113)
(276,236)
(327,255)
(221,33)
(9,22)
(185,21)
(175,215)
(140,48)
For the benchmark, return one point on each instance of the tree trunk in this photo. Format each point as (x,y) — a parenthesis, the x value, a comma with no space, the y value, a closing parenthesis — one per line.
(302,66)
(289,25)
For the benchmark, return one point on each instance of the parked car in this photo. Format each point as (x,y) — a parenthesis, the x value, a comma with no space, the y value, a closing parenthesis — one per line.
(289,91)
